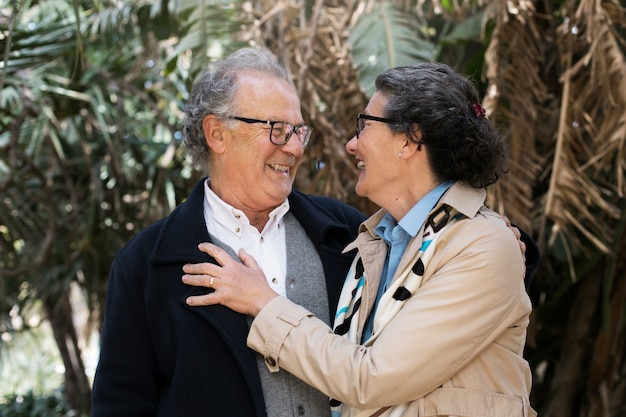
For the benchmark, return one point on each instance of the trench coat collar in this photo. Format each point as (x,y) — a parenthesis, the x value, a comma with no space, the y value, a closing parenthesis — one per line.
(462,198)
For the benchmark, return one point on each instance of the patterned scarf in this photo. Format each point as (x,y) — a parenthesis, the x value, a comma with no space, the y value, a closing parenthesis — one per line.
(394,297)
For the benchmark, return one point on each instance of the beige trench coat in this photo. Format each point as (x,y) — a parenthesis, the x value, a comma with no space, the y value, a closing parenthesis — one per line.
(454,349)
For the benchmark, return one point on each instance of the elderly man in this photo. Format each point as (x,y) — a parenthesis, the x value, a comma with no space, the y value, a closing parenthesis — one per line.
(160,357)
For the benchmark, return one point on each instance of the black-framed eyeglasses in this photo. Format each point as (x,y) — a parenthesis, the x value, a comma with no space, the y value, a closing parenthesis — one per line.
(281,132)
(361,118)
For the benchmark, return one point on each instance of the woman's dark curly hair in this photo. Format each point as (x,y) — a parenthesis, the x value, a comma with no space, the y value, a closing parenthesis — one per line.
(462,146)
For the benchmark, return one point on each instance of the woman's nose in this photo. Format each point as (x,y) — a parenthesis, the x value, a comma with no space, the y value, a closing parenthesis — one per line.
(351,145)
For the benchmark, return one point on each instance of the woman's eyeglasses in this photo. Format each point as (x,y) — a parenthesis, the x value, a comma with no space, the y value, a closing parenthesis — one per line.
(361,118)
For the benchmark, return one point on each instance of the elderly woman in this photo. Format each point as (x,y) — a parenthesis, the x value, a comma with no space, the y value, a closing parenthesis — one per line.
(433,315)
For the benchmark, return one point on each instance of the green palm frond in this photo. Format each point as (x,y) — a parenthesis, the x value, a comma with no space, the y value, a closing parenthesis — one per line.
(41,35)
(385,37)
(89,155)
(207,30)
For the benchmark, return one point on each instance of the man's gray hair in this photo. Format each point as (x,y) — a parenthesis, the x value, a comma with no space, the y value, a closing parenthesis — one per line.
(214,90)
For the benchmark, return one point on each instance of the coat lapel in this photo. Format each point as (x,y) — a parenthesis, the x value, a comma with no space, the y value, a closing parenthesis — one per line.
(177,243)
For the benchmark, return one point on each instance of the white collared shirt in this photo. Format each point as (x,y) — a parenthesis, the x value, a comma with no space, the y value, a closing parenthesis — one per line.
(232,227)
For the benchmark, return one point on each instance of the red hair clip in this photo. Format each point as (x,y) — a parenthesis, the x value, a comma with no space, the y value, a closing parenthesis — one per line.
(479,111)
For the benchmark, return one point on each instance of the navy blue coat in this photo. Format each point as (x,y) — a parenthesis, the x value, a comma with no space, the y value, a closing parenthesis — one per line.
(160,357)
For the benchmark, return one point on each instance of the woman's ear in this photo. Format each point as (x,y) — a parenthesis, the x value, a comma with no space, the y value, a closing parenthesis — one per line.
(416,136)
(213,133)
(411,144)
(408,149)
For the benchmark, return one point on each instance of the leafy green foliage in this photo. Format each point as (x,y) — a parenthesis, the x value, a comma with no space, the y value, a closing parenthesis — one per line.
(89,147)
(206,31)
(31,405)
(386,37)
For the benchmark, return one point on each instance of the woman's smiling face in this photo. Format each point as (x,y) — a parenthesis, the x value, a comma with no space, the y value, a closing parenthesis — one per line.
(376,152)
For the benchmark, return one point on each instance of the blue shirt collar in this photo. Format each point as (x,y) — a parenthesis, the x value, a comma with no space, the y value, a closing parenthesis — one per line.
(413,220)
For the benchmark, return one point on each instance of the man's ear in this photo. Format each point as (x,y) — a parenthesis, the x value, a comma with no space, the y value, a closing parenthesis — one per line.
(213,133)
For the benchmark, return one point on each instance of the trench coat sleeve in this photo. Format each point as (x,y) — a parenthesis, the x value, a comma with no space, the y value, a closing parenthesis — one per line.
(473,296)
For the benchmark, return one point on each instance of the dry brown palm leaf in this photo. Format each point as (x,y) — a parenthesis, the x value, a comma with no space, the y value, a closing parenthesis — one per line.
(588,164)
(517,99)
(565,120)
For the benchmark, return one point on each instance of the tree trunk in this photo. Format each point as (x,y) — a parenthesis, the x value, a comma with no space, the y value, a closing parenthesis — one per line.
(606,384)
(77,388)
(566,381)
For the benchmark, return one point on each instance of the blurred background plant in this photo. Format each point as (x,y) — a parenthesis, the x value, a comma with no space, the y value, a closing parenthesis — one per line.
(32,405)
(31,372)
(35,363)
(90,116)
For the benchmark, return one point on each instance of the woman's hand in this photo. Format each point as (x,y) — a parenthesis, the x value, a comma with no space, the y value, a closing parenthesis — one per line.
(520,242)
(242,288)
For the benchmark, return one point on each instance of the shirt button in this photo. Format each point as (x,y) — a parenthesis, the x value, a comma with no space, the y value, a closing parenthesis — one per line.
(237,230)
(274,280)
(270,361)
(301,410)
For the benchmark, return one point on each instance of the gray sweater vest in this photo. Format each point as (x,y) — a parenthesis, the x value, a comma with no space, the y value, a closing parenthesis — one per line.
(285,395)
